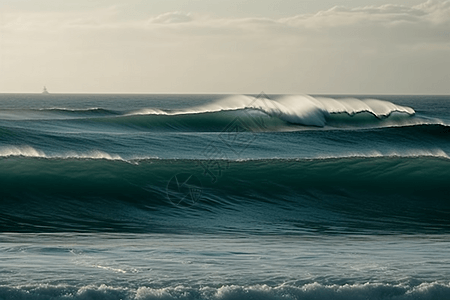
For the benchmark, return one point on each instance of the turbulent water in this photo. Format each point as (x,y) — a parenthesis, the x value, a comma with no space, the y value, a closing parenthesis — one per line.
(224,197)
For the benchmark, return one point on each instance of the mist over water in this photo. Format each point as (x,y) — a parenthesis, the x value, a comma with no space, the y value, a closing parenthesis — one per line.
(224,197)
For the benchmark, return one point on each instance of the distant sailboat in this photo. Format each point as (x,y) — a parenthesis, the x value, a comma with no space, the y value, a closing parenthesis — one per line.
(45,91)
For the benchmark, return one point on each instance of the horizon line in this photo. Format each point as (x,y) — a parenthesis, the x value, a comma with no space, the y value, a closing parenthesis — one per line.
(218,93)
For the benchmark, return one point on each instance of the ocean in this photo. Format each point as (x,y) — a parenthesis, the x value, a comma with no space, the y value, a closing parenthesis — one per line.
(109,196)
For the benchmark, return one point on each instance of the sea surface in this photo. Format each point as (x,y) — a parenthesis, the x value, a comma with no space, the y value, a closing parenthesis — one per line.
(229,197)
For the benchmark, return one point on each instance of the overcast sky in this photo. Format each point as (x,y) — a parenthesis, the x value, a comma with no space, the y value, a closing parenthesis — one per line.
(225,46)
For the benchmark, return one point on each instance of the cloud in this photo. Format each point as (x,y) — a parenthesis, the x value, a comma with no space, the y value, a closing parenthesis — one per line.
(387,48)
(369,21)
(389,24)
(172,17)
(428,13)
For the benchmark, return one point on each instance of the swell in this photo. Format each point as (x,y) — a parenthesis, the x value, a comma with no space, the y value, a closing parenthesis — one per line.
(38,142)
(56,113)
(86,111)
(334,195)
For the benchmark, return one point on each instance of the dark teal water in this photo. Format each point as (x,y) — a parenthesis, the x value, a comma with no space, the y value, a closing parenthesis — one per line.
(224,196)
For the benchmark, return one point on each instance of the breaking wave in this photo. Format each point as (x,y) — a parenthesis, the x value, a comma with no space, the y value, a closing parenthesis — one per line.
(316,291)
(256,114)
(300,110)
(28,151)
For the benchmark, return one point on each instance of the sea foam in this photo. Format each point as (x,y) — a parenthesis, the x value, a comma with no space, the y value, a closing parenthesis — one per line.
(316,291)
(28,151)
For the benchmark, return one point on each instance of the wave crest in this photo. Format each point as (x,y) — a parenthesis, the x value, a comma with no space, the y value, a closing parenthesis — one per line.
(308,110)
(300,109)
(28,151)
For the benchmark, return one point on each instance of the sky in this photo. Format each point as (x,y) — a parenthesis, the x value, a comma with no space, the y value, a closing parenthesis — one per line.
(225,46)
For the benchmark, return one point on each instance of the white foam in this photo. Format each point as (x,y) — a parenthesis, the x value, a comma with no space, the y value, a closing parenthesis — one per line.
(229,103)
(308,291)
(116,270)
(27,151)
(70,109)
(438,153)
(351,106)
(304,110)
(316,291)
(420,153)
(95,154)
(20,151)
(307,110)
(147,111)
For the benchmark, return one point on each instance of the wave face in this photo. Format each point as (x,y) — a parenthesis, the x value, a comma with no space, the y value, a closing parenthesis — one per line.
(334,195)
